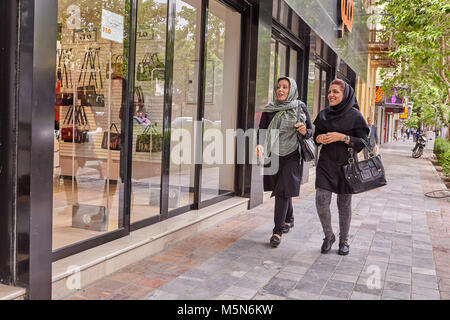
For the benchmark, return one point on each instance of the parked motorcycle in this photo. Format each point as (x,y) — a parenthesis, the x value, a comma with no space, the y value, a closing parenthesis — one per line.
(420,145)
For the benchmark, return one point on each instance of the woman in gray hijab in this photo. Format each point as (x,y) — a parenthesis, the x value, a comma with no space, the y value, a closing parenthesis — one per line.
(283,119)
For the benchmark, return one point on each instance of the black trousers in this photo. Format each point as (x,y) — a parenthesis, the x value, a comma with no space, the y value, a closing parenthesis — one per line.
(283,213)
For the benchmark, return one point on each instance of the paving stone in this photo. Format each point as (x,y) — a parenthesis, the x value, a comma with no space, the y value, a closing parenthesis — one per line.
(160,295)
(397,286)
(240,292)
(389,294)
(363,296)
(362,288)
(279,286)
(302,295)
(310,286)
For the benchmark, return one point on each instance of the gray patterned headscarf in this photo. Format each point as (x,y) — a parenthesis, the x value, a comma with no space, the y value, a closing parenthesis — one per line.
(285,139)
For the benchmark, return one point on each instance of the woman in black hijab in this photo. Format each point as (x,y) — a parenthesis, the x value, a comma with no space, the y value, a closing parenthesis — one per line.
(337,128)
(285,117)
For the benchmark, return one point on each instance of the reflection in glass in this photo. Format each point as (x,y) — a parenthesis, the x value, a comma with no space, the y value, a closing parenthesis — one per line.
(323,90)
(148,109)
(293,65)
(184,103)
(271,69)
(90,77)
(281,66)
(223,48)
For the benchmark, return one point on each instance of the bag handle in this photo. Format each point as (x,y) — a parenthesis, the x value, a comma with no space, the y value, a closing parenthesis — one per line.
(114,125)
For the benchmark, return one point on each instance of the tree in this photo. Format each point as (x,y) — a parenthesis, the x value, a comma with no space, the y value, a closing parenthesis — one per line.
(419,35)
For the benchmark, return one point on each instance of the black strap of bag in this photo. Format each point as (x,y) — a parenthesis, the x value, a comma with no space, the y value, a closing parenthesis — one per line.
(307,145)
(361,176)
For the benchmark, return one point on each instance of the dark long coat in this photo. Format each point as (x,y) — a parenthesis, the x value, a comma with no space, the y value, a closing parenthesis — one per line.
(329,173)
(286,182)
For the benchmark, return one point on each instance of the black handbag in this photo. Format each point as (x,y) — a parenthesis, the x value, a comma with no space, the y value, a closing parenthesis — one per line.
(307,144)
(114,139)
(88,93)
(361,176)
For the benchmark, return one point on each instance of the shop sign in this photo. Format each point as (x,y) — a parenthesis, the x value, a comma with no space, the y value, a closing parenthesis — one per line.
(345,16)
(112,26)
(396,98)
(404,115)
(378,95)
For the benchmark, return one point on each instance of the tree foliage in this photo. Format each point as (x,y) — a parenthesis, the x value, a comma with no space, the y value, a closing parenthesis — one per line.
(419,34)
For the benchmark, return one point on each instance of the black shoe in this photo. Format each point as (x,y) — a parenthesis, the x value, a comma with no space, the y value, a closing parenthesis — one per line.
(286,227)
(275,241)
(344,249)
(327,243)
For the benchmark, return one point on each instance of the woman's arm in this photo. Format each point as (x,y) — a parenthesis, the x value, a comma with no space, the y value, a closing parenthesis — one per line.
(356,139)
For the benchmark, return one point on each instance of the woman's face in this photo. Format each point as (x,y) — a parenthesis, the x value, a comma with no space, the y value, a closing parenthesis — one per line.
(283,89)
(335,95)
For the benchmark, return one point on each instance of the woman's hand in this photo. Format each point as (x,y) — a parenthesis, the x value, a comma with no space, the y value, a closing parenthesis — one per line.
(300,128)
(259,151)
(331,137)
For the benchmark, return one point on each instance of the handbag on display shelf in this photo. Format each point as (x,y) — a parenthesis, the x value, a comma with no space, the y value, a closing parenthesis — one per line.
(114,139)
(147,65)
(88,93)
(143,140)
(116,67)
(74,133)
(139,103)
(365,175)
(67,99)
(307,144)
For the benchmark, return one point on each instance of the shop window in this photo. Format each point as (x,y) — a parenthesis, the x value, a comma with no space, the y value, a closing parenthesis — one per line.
(284,14)
(272,69)
(275,8)
(148,109)
(311,89)
(184,103)
(91,74)
(281,60)
(221,97)
(293,57)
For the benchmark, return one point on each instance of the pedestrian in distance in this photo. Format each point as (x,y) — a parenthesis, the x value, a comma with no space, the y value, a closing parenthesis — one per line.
(337,128)
(408,132)
(290,117)
(373,138)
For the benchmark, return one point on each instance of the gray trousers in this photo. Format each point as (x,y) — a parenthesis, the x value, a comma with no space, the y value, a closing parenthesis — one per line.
(344,203)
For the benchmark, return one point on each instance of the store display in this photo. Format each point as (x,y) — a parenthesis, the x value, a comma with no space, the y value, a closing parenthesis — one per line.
(150,68)
(88,93)
(114,139)
(116,67)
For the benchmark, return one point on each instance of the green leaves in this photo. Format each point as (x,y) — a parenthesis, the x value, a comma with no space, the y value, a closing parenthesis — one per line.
(419,31)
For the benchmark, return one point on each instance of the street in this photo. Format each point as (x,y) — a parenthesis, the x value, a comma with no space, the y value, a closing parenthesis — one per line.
(399,249)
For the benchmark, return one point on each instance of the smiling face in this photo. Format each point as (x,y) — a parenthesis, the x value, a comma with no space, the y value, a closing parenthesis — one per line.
(283,88)
(335,95)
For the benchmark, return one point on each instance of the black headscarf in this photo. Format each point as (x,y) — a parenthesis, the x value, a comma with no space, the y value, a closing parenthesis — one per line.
(344,116)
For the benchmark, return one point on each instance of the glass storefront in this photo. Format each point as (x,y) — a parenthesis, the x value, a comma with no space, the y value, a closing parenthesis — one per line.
(94,102)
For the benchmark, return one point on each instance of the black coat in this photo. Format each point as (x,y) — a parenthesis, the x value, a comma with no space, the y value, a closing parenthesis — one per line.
(329,173)
(286,182)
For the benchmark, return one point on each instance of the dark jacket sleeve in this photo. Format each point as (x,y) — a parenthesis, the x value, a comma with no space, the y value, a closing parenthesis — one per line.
(263,124)
(317,131)
(309,129)
(356,139)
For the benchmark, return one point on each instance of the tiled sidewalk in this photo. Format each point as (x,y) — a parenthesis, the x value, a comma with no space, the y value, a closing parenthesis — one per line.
(392,253)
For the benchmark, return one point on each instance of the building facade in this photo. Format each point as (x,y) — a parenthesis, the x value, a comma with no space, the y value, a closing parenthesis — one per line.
(113,111)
